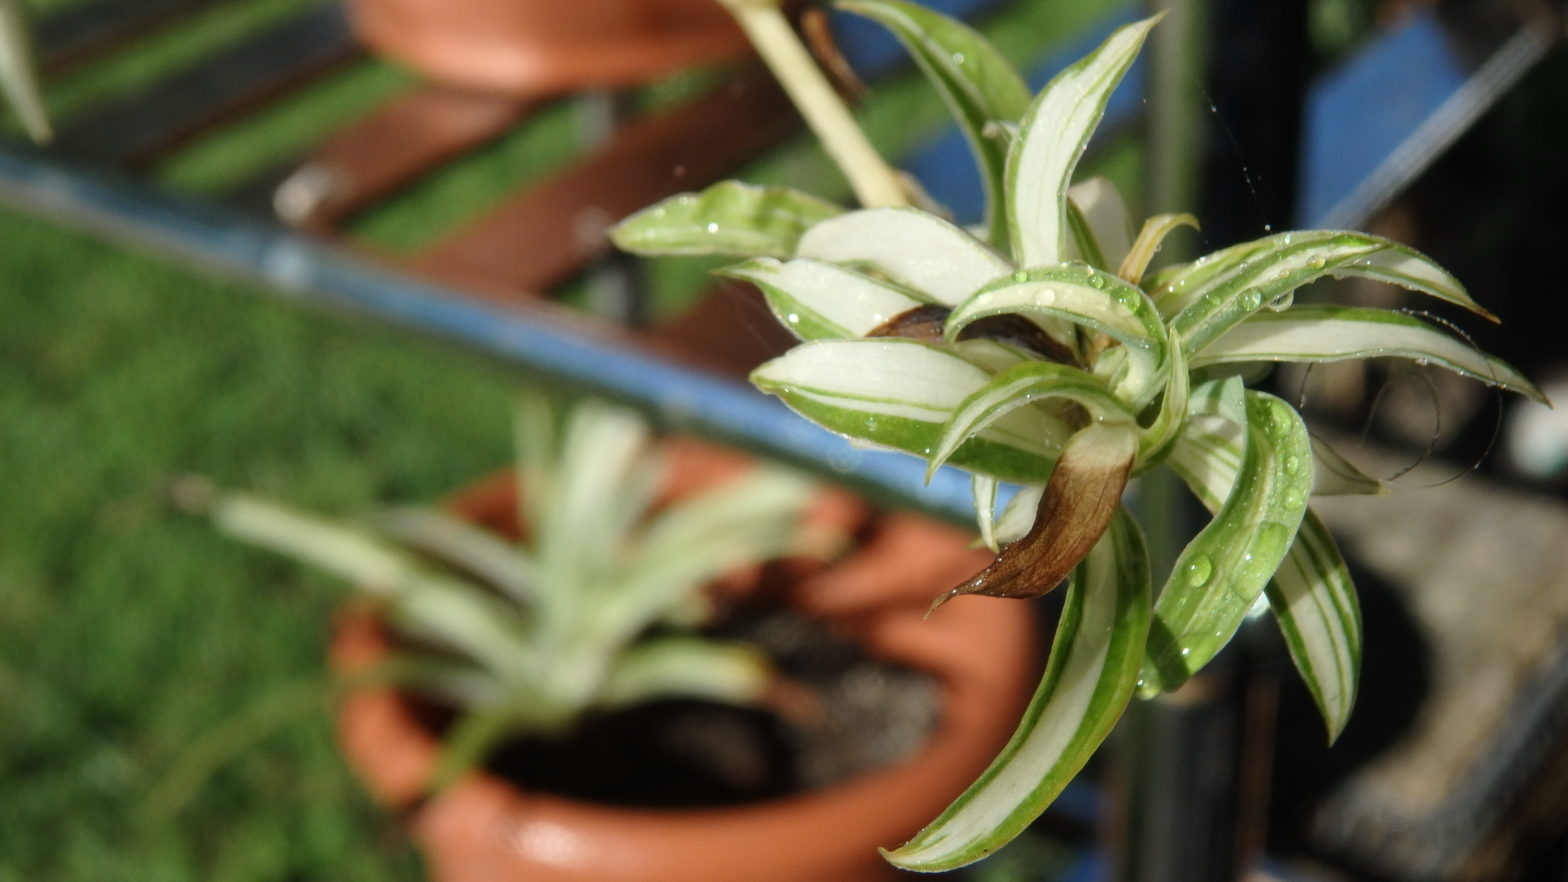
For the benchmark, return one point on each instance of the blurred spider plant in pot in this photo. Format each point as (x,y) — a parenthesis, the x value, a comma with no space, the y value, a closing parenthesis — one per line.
(19,73)
(1039,350)
(593,610)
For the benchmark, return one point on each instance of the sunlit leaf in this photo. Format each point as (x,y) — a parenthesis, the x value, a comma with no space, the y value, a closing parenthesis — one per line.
(931,257)
(978,85)
(1101,226)
(1221,572)
(1314,601)
(982,491)
(1088,680)
(1022,386)
(1262,278)
(1142,250)
(899,393)
(1053,135)
(1092,298)
(823,301)
(1315,334)
(1312,595)
(727,218)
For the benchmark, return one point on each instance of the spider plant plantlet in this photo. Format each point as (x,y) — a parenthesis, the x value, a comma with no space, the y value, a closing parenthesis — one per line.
(591,612)
(1039,350)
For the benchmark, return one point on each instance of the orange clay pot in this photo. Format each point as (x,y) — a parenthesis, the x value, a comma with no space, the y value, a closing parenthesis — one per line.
(543,46)
(980,652)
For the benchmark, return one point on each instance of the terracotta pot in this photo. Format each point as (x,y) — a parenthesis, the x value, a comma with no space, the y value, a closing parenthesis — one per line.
(542,46)
(981,653)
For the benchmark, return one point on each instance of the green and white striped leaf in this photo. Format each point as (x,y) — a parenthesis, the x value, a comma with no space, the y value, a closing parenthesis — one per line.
(1088,680)
(1018,514)
(1219,575)
(1312,596)
(751,518)
(977,83)
(686,667)
(899,393)
(1264,277)
(460,544)
(823,301)
(1100,224)
(1314,601)
(425,602)
(982,491)
(1093,298)
(1053,136)
(1020,386)
(1142,250)
(728,218)
(1316,334)
(19,73)
(1408,268)
(934,259)
(1168,423)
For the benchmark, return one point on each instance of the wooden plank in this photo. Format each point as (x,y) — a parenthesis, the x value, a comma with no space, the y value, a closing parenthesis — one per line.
(137,129)
(551,231)
(392,146)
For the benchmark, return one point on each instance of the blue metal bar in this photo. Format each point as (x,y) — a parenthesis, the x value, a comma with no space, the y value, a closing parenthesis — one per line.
(539,339)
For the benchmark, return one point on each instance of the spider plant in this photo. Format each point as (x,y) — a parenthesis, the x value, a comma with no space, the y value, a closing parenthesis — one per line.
(592,611)
(1040,351)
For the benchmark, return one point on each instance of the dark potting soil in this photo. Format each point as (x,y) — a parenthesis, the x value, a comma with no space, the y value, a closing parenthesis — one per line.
(866,714)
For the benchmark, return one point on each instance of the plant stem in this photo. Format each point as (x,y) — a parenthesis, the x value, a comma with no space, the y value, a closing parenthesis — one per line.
(874,182)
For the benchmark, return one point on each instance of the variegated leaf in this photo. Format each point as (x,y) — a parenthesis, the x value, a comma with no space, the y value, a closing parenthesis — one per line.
(1088,680)
(1100,225)
(900,393)
(1262,278)
(728,218)
(1142,250)
(823,301)
(1093,298)
(982,491)
(979,86)
(931,257)
(1221,572)
(1053,135)
(1335,333)
(1312,595)
(687,667)
(1314,601)
(1021,386)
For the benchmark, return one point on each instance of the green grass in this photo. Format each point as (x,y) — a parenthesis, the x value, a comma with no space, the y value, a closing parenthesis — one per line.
(128,631)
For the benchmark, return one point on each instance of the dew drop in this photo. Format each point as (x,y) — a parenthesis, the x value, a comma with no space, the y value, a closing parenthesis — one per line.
(1199,570)
(1251,300)
(793,318)
(1292,465)
(1293,498)
(1020,276)
(1268,228)
(1096,281)
(713,227)
(1317,263)
(1186,651)
(1286,239)
(958,58)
